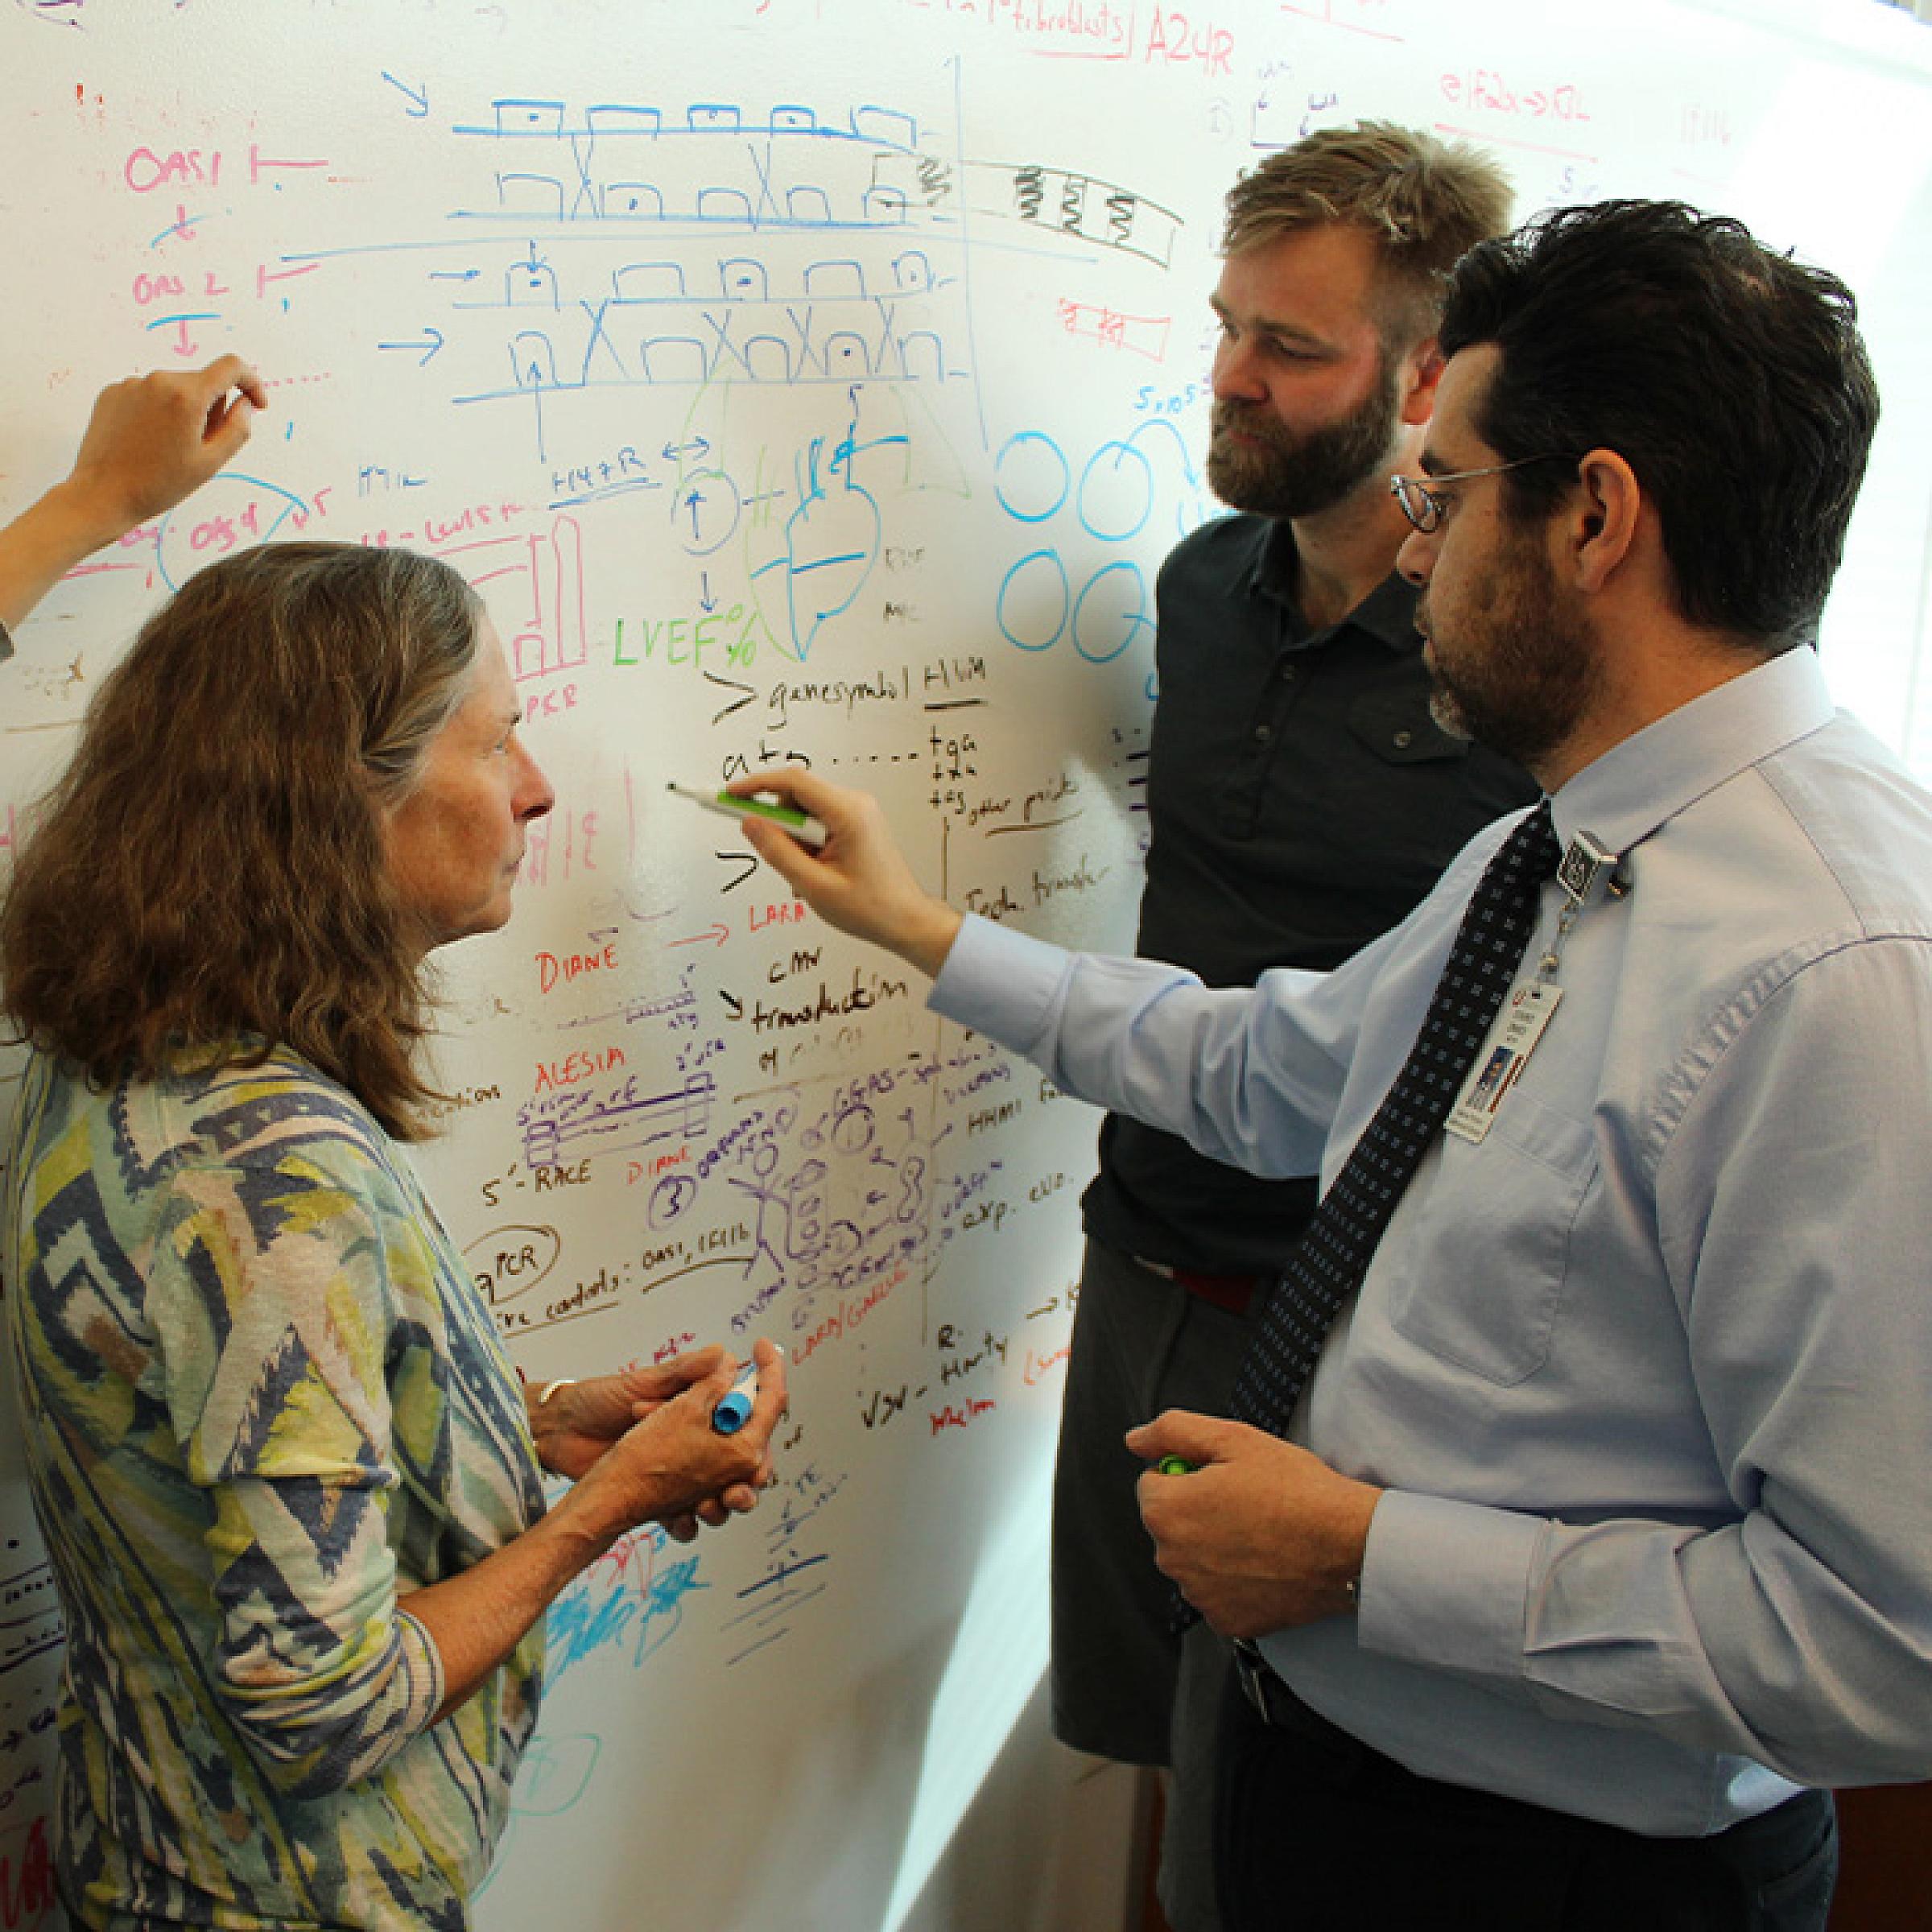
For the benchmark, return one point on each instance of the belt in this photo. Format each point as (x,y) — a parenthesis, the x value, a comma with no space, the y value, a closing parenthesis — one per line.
(1268,1694)
(1232,1292)
(1278,1707)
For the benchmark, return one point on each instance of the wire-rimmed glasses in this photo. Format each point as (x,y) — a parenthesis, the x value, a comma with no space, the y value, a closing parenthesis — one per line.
(1421,499)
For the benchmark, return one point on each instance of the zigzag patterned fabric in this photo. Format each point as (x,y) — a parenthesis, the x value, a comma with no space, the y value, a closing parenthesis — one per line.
(261,1399)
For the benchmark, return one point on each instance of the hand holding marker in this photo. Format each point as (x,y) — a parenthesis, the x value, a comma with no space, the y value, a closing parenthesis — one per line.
(802,827)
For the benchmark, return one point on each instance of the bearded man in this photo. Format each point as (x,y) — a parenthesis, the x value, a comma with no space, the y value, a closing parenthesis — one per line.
(1302,800)
(1569,1520)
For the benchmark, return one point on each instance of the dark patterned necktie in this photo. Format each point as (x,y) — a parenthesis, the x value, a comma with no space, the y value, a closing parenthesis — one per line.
(1328,1264)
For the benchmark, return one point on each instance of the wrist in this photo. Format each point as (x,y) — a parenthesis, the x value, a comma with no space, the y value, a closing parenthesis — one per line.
(929,937)
(40,547)
(583,1526)
(1350,1548)
(81,517)
(543,1411)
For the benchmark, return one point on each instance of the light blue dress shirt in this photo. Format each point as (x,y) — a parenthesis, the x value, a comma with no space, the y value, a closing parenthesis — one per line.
(1647,1373)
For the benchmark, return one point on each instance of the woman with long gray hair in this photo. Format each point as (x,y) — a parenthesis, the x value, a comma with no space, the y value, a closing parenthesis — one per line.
(290,1484)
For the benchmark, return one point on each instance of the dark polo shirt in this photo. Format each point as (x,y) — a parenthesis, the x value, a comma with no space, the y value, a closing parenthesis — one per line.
(1301,800)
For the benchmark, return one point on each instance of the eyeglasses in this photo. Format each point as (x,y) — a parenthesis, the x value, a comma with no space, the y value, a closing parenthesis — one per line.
(1425,506)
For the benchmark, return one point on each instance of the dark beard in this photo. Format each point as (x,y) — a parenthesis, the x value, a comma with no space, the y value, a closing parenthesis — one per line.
(1300,476)
(1525,687)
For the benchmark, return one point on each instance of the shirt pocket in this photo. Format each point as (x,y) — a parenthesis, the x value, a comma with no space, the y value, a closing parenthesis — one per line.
(1396,724)
(1491,1256)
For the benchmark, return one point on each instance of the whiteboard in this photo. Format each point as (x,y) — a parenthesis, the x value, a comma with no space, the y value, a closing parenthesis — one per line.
(813,378)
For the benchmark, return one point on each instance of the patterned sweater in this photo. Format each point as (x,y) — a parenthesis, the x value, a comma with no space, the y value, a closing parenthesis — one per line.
(261,1399)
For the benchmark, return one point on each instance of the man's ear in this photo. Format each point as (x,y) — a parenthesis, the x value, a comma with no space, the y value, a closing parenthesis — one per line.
(1602,526)
(1422,370)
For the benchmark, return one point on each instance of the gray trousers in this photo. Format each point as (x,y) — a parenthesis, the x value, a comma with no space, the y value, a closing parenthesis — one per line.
(1124,1686)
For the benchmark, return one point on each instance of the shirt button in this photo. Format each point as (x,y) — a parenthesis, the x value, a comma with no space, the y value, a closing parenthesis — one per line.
(1262,734)
(1404,740)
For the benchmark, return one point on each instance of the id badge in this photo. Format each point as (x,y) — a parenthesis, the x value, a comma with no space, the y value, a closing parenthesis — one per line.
(1502,1058)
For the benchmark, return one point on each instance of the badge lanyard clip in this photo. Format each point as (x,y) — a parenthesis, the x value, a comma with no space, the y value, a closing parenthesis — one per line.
(1532,1004)
(1586,861)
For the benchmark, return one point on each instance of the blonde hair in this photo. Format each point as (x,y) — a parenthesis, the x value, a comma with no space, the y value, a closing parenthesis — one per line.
(1425,203)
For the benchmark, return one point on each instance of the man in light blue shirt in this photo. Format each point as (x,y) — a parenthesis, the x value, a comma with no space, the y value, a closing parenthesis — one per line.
(1602,1538)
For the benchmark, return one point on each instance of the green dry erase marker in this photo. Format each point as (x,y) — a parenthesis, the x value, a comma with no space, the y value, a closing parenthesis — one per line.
(802,827)
(1174,1465)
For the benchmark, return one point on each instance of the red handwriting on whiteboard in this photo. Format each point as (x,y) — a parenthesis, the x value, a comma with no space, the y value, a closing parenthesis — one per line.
(146,170)
(1174,40)
(1705,126)
(1484,88)
(960,1415)
(26,1879)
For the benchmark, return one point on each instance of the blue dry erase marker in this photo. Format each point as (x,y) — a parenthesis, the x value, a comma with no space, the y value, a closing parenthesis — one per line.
(802,827)
(733,1411)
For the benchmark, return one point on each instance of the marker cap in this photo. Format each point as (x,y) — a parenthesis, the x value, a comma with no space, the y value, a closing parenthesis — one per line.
(733,1411)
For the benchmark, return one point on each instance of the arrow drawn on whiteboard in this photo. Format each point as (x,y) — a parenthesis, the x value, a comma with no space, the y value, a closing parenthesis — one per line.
(717,934)
(697,450)
(454,274)
(711,677)
(706,600)
(418,99)
(431,341)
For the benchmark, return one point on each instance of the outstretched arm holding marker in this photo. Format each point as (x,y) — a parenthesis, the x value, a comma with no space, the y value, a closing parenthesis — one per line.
(1209,1482)
(151,441)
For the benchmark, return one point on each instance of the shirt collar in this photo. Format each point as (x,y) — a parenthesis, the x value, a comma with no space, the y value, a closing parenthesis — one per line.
(1387,613)
(1637,786)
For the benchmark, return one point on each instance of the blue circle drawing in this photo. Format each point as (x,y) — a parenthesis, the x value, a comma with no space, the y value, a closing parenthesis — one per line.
(1114,522)
(1032,642)
(1053,479)
(1132,621)
(704,511)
